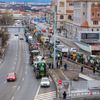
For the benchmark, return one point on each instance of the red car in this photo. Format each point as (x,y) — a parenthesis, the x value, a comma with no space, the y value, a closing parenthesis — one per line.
(11,77)
(44,30)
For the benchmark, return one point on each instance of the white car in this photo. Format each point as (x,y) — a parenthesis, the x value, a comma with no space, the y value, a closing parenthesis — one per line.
(45,82)
(73,50)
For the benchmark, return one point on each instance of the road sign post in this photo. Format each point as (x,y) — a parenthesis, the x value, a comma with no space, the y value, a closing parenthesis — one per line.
(59,82)
(55,10)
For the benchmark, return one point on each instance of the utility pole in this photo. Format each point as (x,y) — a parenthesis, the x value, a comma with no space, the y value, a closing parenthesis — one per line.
(54,13)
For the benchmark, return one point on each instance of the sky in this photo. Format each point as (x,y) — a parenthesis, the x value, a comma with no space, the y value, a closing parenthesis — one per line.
(37,1)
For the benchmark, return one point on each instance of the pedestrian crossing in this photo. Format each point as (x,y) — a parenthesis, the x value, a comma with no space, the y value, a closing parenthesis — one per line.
(46,96)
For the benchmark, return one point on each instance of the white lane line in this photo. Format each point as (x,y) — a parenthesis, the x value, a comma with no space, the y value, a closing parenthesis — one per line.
(14,86)
(18,87)
(12,98)
(37,92)
(23,79)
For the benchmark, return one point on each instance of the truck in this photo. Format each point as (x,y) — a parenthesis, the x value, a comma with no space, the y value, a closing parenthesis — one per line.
(63,50)
(40,69)
(33,54)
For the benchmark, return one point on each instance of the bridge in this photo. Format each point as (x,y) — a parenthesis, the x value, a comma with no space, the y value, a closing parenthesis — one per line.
(14,29)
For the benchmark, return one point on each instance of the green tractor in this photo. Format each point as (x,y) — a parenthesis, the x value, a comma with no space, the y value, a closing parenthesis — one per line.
(80,58)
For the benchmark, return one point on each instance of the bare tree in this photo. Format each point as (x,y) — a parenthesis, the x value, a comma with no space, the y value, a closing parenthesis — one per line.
(6,19)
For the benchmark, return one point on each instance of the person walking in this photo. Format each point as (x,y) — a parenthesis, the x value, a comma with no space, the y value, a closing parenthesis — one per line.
(64,95)
(49,64)
(65,66)
(59,64)
(52,66)
(81,69)
(93,70)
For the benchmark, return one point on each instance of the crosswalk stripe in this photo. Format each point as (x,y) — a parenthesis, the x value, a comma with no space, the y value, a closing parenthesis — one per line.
(46,96)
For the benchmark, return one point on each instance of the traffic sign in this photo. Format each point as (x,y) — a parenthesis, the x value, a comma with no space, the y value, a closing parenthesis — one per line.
(60,82)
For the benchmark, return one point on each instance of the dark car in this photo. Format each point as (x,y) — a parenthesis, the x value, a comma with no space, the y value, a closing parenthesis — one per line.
(21,38)
(16,34)
(11,77)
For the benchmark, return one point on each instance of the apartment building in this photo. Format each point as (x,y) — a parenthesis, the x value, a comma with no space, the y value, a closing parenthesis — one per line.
(86,19)
(60,13)
(64,12)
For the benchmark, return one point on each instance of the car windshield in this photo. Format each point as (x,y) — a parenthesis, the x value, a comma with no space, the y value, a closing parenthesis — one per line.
(11,74)
(45,79)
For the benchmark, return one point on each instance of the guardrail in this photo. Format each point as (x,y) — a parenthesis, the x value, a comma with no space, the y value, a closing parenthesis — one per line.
(87,93)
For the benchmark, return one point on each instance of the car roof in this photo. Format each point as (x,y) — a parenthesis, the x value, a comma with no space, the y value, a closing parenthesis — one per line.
(45,78)
(11,73)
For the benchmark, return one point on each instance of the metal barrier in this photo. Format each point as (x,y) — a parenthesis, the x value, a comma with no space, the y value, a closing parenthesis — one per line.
(76,94)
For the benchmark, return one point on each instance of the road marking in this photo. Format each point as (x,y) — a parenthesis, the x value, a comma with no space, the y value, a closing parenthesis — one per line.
(37,92)
(14,86)
(23,79)
(12,98)
(18,87)
(46,96)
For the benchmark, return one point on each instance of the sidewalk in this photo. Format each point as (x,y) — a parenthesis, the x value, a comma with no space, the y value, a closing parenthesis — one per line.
(76,69)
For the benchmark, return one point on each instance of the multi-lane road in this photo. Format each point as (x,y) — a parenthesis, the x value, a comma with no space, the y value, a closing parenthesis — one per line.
(26,87)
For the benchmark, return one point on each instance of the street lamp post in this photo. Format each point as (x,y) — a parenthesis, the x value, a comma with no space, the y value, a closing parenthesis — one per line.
(54,13)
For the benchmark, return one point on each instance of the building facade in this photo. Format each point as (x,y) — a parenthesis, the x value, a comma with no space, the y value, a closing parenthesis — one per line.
(86,18)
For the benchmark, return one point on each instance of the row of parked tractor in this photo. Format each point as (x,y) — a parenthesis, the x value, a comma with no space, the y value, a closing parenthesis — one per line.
(37,61)
(71,54)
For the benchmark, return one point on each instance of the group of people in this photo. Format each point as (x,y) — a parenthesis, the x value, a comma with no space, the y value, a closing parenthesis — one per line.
(93,68)
(50,65)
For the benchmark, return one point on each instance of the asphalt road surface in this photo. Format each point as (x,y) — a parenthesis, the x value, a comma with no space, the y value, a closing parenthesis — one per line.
(17,60)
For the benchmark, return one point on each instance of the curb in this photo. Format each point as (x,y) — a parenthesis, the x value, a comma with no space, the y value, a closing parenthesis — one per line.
(56,84)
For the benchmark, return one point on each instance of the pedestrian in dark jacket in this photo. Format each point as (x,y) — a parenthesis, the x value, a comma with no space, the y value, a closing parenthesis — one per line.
(64,95)
(81,69)
(52,66)
(65,66)
(57,64)
(49,64)
(93,70)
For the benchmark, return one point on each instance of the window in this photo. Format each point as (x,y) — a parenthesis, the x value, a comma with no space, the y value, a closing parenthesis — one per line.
(83,13)
(61,22)
(70,4)
(97,29)
(61,4)
(61,16)
(70,17)
(95,22)
(92,29)
(92,14)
